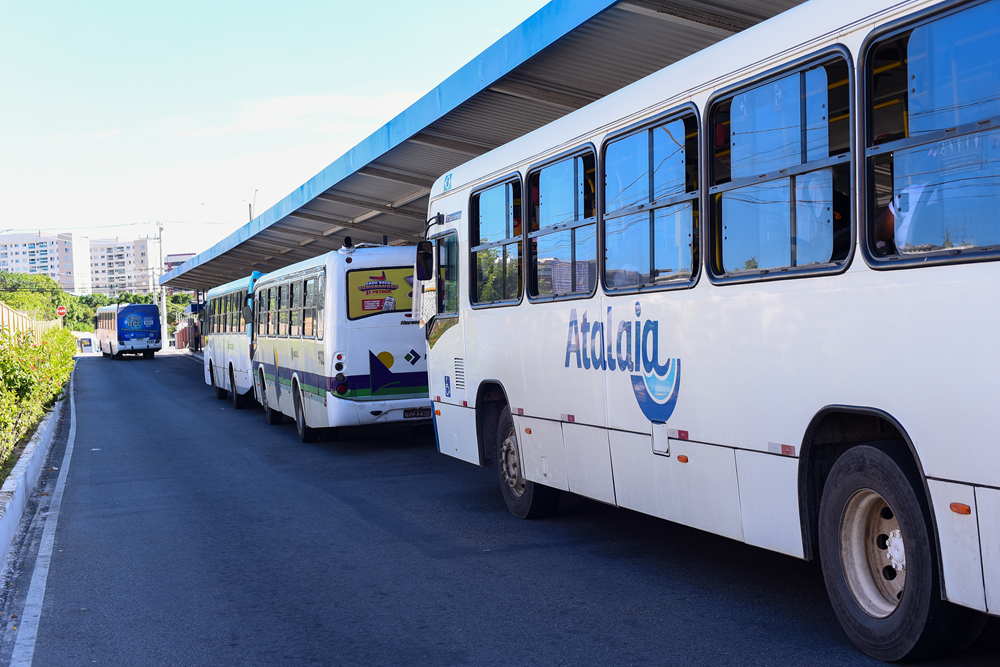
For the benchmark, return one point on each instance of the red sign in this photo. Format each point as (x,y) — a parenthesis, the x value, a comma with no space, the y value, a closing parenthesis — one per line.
(60,311)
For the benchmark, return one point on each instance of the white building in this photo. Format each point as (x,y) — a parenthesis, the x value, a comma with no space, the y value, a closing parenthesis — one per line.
(122,266)
(59,256)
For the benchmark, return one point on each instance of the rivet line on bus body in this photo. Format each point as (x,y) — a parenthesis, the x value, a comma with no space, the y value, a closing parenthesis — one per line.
(961,508)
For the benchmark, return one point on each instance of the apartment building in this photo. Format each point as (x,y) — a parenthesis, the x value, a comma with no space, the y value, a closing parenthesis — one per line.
(119,266)
(62,257)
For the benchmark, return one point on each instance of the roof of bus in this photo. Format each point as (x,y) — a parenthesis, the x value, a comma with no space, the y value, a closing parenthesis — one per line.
(246,282)
(796,33)
(118,307)
(365,252)
(565,56)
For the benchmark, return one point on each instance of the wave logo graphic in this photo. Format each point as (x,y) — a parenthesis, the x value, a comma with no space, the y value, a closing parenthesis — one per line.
(632,347)
(656,394)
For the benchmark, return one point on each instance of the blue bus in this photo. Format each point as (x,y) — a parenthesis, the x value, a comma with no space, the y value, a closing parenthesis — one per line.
(132,328)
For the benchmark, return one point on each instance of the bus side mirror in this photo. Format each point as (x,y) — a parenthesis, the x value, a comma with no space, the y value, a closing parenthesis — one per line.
(247,314)
(425,260)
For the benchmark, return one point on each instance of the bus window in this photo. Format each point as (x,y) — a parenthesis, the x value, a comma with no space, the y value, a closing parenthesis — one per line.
(320,301)
(563,235)
(309,308)
(272,311)
(295,314)
(781,187)
(931,192)
(496,243)
(650,206)
(240,302)
(447,248)
(262,312)
(283,310)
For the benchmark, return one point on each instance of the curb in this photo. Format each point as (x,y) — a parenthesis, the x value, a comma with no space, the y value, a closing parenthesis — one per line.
(22,479)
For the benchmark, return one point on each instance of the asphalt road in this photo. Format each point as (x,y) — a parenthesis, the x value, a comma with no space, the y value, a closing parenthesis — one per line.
(194,534)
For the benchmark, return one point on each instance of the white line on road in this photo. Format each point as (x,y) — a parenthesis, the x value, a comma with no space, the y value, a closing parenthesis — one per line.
(27,631)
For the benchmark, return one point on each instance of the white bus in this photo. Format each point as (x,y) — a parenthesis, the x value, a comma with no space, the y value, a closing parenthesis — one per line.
(336,342)
(128,328)
(228,349)
(730,216)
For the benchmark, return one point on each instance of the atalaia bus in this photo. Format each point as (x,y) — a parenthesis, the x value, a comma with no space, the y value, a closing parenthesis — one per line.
(336,344)
(128,328)
(693,299)
(229,340)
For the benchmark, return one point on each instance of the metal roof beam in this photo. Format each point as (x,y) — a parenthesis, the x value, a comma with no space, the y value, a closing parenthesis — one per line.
(526,92)
(371,205)
(699,19)
(349,225)
(398,176)
(453,145)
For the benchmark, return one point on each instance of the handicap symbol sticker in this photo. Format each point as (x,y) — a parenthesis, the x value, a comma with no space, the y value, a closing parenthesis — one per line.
(447,386)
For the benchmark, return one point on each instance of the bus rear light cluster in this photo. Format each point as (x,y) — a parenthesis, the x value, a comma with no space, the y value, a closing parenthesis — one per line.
(338,366)
(340,377)
(341,389)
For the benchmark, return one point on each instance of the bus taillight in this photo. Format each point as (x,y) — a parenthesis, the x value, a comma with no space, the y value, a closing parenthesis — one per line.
(341,389)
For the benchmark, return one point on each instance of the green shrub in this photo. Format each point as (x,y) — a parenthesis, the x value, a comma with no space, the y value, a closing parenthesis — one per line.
(31,377)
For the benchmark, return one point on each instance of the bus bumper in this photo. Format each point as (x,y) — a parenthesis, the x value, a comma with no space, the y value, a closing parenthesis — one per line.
(361,413)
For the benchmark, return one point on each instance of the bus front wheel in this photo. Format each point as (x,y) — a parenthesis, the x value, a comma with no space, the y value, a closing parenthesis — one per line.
(239,400)
(220,393)
(305,433)
(877,550)
(273,416)
(524,499)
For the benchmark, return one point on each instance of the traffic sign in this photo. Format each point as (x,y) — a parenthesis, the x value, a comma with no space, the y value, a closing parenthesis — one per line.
(60,311)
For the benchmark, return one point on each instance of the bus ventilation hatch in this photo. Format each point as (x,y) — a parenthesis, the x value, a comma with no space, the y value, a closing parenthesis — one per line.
(460,374)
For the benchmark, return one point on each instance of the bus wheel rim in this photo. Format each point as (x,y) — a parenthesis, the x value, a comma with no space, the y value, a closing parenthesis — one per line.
(510,464)
(873,553)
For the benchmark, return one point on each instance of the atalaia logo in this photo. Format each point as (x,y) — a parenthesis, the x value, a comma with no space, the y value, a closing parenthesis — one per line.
(634,348)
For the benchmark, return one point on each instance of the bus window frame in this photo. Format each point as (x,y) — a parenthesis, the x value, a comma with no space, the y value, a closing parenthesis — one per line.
(866,185)
(528,261)
(437,269)
(708,190)
(675,113)
(473,249)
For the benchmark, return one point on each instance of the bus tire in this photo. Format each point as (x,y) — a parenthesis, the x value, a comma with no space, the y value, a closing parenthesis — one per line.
(273,417)
(220,393)
(877,549)
(305,433)
(524,499)
(239,400)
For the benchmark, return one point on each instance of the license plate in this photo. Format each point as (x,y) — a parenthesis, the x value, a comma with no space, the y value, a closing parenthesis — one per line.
(417,413)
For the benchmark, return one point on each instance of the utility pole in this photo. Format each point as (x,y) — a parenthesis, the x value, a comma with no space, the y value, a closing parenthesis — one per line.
(163,291)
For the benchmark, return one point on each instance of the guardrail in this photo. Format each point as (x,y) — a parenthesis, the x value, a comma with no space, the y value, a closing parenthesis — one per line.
(16,321)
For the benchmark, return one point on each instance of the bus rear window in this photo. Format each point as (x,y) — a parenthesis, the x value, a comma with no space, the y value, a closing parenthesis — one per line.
(376,291)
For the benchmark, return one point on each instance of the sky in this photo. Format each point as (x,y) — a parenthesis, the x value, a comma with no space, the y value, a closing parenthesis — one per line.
(115,115)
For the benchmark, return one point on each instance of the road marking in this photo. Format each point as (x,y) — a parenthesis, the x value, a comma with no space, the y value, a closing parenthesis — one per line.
(27,631)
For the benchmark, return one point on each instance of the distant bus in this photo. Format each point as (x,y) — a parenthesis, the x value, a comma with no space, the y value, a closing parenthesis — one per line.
(132,328)
(336,344)
(802,218)
(228,349)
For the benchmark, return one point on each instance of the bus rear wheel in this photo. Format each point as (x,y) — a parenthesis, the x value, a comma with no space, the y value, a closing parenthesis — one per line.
(524,499)
(220,393)
(305,433)
(877,550)
(239,400)
(273,416)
